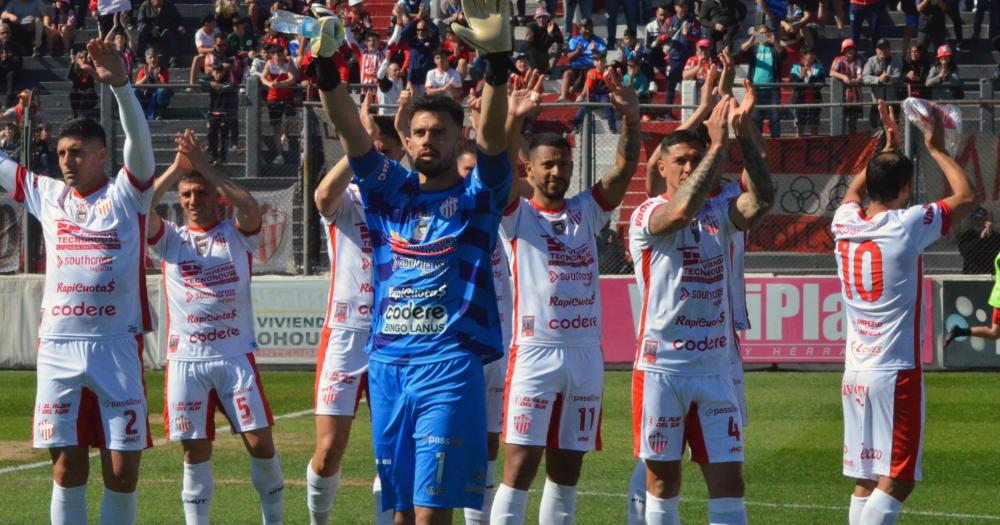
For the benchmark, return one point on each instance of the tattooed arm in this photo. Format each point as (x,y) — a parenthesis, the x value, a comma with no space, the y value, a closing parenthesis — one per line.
(750,207)
(615,182)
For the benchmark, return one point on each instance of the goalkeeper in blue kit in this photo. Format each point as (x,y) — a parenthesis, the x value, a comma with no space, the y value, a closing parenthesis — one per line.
(435,313)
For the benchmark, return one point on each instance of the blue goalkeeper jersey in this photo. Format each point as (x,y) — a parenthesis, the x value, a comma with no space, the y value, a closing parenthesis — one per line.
(432,251)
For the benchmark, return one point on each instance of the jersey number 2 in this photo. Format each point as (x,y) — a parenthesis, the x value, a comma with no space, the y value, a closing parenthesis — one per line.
(855,268)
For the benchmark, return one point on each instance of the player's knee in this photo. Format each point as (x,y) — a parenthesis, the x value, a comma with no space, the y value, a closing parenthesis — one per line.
(521,465)
(70,471)
(404,517)
(122,477)
(259,443)
(197,451)
(898,489)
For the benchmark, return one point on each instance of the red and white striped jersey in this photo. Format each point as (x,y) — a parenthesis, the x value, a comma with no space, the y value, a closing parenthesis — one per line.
(349,247)
(206,277)
(95,285)
(370,62)
(686,323)
(557,298)
(879,263)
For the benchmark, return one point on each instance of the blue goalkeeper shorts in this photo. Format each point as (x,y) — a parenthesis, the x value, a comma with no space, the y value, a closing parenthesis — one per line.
(429,432)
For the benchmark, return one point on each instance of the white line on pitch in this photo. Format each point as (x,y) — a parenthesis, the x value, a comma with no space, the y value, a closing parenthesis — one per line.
(156,443)
(982,517)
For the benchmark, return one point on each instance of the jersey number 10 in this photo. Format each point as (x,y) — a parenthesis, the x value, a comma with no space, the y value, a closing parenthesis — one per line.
(855,268)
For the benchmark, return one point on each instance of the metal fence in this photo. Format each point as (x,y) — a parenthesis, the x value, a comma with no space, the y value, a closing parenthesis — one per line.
(811,174)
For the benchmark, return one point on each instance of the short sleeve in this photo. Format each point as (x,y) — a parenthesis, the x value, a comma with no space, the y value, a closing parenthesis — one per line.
(136,195)
(165,240)
(248,238)
(512,218)
(926,223)
(29,188)
(844,212)
(639,237)
(597,210)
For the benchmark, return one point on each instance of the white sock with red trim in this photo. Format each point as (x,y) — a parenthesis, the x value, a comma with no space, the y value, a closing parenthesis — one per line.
(196,492)
(482,516)
(881,509)
(118,508)
(320,492)
(857,505)
(509,506)
(661,511)
(68,505)
(266,477)
(637,495)
(727,511)
(381,517)
(558,505)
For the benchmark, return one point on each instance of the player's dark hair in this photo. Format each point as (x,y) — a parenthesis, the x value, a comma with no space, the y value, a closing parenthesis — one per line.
(691,137)
(552,140)
(439,104)
(387,127)
(83,129)
(887,173)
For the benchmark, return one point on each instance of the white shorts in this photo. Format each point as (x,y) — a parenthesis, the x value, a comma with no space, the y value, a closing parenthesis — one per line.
(341,372)
(196,388)
(91,393)
(736,371)
(883,424)
(496,378)
(669,410)
(553,397)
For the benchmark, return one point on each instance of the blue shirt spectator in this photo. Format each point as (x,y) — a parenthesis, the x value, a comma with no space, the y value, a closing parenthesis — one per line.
(589,43)
(423,39)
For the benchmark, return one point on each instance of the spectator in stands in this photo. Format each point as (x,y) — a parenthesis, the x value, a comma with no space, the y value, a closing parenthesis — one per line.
(543,34)
(678,45)
(866,11)
(836,7)
(219,53)
(658,34)
(443,79)
(242,43)
(979,243)
(154,100)
(41,151)
(635,80)
(204,43)
(570,7)
(423,40)
(226,13)
(223,110)
(459,54)
(259,11)
(119,40)
(931,29)
(10,141)
(271,37)
(83,94)
(914,72)
(159,24)
(807,71)
(631,9)
(451,13)
(15,113)
(519,75)
(390,86)
(993,25)
(722,20)
(696,67)
(764,57)
(882,73)
(407,11)
(372,57)
(944,73)
(25,18)
(60,27)
(847,68)
(358,19)
(11,62)
(800,24)
(595,89)
(580,53)
(911,20)
(280,76)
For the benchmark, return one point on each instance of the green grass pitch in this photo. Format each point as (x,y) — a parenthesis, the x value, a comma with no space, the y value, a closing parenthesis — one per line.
(792,470)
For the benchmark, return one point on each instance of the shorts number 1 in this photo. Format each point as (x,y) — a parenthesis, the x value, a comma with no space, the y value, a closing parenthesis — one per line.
(440,468)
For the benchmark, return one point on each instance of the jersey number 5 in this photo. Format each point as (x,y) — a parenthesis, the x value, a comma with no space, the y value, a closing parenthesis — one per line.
(855,268)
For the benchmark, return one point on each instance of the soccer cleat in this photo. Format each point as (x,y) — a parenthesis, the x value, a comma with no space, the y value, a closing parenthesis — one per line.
(331,33)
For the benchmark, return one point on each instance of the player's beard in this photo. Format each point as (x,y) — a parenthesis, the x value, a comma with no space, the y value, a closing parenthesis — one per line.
(435,167)
(552,192)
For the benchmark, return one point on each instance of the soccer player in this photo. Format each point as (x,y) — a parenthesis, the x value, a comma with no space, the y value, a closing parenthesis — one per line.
(341,361)
(556,367)
(90,389)
(210,332)
(878,251)
(435,317)
(680,242)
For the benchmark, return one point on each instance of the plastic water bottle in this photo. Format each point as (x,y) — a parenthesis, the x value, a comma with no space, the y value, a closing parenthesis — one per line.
(293,24)
(920,113)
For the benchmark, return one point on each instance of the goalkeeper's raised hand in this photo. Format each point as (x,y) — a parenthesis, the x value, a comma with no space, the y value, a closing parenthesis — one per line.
(489,28)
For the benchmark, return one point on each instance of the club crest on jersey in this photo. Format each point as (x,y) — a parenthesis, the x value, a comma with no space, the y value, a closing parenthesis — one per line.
(182,424)
(657,442)
(45,429)
(449,207)
(522,423)
(81,212)
(172,344)
(559,227)
(340,313)
(103,206)
(202,245)
(420,230)
(329,395)
(575,217)
(528,325)
(649,349)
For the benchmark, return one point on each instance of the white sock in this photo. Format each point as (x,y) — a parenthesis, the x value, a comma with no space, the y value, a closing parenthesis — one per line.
(266,477)
(482,516)
(857,505)
(637,495)
(558,505)
(381,518)
(196,492)
(509,506)
(68,505)
(118,508)
(320,492)
(662,511)
(727,511)
(881,509)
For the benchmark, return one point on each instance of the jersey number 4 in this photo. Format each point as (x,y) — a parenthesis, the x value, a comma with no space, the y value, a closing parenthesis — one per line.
(854,267)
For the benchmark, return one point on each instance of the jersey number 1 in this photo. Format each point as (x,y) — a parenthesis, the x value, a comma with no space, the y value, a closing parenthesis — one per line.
(855,267)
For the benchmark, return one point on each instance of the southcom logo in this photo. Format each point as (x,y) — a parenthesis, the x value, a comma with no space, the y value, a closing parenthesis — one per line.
(411,319)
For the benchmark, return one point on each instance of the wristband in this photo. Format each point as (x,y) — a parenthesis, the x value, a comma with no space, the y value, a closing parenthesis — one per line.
(961,332)
(498,67)
(327,74)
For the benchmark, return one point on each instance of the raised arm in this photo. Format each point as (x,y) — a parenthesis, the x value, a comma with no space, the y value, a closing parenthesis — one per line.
(615,182)
(750,207)
(337,102)
(138,148)
(857,190)
(962,201)
(707,102)
(523,103)
(248,217)
(160,188)
(687,201)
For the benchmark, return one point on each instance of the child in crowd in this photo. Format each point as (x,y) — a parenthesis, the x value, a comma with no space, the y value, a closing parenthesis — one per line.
(847,68)
(808,71)
(595,89)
